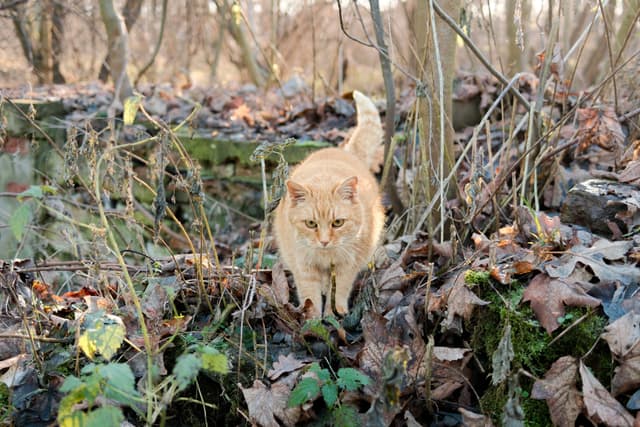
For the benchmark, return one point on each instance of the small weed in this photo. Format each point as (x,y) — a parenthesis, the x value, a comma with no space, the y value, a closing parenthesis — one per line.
(321,382)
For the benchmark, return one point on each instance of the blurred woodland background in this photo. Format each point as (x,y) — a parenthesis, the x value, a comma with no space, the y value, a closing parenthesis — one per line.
(204,43)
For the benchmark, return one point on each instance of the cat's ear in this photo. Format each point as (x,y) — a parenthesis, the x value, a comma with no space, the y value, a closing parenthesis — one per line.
(296,192)
(348,188)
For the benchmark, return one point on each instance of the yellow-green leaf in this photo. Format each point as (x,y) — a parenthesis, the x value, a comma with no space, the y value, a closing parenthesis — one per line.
(104,336)
(19,220)
(131,105)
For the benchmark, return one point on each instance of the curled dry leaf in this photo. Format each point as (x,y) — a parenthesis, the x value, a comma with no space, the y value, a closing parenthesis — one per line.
(549,296)
(279,284)
(284,365)
(601,406)
(559,389)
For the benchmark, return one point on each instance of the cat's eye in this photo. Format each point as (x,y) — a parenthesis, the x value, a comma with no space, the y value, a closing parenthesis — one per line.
(337,223)
(310,223)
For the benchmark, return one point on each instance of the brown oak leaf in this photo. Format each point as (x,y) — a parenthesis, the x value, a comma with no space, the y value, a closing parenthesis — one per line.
(549,296)
(559,389)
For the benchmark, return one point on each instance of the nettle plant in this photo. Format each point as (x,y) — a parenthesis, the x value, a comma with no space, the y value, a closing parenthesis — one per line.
(320,382)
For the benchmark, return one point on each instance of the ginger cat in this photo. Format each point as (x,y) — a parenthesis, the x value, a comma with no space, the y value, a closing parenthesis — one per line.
(332,214)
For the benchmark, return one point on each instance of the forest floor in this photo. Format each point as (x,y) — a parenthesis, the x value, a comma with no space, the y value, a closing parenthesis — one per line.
(147,289)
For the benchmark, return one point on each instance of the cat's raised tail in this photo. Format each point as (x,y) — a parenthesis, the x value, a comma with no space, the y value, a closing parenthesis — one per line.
(366,139)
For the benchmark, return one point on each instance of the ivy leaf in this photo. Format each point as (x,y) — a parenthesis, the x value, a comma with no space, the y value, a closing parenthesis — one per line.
(19,220)
(346,416)
(306,390)
(351,379)
(186,369)
(330,393)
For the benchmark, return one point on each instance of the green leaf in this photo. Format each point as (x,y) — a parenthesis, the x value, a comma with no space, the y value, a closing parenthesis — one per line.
(106,416)
(186,370)
(19,220)
(71,419)
(306,390)
(323,374)
(120,384)
(316,327)
(350,379)
(131,105)
(37,192)
(330,393)
(333,322)
(346,416)
(102,335)
(70,383)
(214,361)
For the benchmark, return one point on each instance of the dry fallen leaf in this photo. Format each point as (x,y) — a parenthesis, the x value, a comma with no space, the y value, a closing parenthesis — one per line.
(279,284)
(265,404)
(558,388)
(595,257)
(549,296)
(599,126)
(461,301)
(623,337)
(284,365)
(601,406)
(471,419)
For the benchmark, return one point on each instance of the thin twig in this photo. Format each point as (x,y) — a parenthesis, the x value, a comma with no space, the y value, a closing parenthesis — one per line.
(36,338)
(385,64)
(156,49)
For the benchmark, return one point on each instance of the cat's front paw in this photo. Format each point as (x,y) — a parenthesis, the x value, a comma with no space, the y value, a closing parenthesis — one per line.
(311,310)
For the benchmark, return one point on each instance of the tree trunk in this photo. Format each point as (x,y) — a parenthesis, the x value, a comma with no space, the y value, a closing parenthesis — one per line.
(437,131)
(131,12)
(57,41)
(118,41)
(41,43)
(233,22)
(516,24)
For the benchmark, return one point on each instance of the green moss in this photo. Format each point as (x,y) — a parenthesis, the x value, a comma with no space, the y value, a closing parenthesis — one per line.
(534,349)
(477,277)
(5,405)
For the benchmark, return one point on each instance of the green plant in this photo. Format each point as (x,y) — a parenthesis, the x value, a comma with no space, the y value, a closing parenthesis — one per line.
(98,384)
(87,400)
(321,382)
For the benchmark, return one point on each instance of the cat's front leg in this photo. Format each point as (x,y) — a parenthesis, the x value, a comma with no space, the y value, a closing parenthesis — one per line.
(309,288)
(344,284)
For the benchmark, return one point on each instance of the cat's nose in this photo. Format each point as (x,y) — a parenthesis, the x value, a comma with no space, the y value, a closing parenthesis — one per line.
(324,243)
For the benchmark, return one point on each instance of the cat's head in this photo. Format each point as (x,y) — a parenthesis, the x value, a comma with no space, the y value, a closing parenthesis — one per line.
(324,217)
